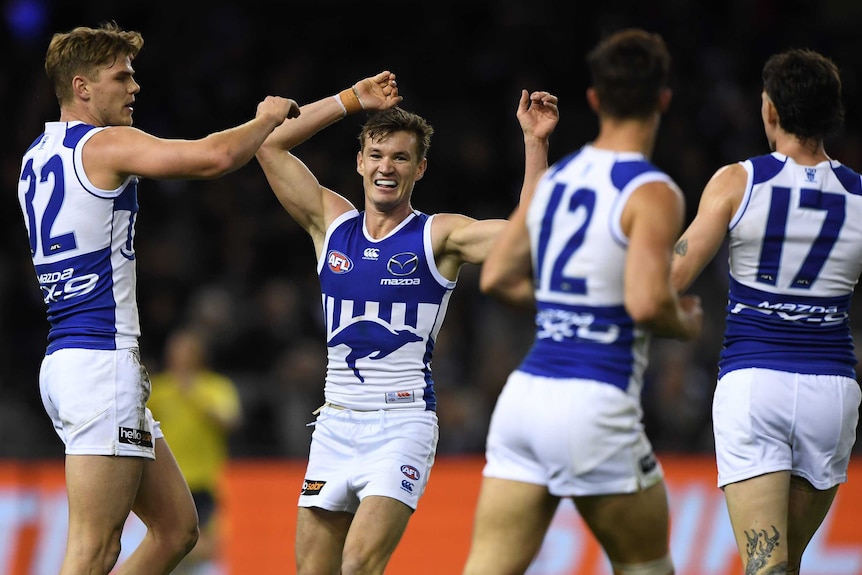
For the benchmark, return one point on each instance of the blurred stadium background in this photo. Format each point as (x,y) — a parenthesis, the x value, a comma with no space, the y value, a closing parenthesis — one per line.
(223,255)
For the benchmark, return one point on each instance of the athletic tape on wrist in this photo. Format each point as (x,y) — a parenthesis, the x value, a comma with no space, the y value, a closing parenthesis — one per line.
(350,101)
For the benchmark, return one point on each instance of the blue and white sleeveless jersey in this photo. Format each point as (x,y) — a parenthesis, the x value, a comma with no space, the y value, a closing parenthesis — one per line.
(579,253)
(384,302)
(795,258)
(81,241)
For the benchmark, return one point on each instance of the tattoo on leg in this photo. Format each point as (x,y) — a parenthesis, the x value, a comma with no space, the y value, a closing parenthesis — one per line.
(758,550)
(681,247)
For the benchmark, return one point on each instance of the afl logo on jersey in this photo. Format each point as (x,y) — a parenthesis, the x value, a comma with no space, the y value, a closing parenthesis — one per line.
(403,264)
(338,262)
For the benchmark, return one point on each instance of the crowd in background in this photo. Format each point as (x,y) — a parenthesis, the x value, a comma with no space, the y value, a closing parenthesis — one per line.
(222,256)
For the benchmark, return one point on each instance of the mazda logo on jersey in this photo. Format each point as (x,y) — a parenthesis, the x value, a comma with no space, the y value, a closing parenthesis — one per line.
(403,264)
(338,262)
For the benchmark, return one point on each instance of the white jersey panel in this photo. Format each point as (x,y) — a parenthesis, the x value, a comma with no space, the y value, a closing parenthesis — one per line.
(579,254)
(81,242)
(795,258)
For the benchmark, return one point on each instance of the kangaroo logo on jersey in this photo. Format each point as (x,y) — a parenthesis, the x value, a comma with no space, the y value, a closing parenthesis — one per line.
(370,339)
(403,264)
(338,262)
(811,174)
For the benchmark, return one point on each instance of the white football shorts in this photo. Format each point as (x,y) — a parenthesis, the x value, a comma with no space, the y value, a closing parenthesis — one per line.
(766,421)
(97,401)
(355,454)
(577,437)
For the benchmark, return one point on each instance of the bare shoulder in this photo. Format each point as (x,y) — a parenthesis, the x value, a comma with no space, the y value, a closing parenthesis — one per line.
(726,186)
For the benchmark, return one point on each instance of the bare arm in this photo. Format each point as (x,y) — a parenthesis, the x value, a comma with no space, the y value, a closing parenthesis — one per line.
(507,272)
(700,242)
(313,206)
(652,219)
(117,152)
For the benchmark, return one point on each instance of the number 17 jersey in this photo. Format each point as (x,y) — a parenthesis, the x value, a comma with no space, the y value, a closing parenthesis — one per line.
(579,253)
(795,258)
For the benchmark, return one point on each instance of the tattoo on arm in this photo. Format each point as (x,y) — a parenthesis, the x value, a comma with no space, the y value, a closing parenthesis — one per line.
(759,549)
(681,247)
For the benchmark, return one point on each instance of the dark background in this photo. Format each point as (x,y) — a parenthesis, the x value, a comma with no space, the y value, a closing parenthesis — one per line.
(222,255)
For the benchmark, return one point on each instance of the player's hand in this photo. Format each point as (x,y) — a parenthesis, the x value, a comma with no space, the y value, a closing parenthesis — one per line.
(379,92)
(538,114)
(693,314)
(278,108)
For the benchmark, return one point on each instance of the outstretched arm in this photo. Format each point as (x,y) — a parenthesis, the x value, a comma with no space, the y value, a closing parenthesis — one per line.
(507,272)
(117,152)
(310,204)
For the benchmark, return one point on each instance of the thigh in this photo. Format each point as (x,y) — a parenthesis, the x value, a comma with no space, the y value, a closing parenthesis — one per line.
(163,499)
(510,523)
(320,537)
(807,508)
(631,527)
(758,515)
(101,491)
(374,534)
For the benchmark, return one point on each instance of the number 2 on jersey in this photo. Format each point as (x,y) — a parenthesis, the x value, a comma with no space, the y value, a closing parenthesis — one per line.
(51,245)
(582,199)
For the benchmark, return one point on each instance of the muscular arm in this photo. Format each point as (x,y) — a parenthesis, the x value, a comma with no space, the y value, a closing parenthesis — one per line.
(117,152)
(652,219)
(476,241)
(313,206)
(700,242)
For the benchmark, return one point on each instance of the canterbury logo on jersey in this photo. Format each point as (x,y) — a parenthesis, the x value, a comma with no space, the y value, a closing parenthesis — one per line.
(338,262)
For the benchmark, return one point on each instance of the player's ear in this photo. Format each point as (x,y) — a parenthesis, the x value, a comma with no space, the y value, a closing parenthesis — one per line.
(359,163)
(80,87)
(593,99)
(420,169)
(664,98)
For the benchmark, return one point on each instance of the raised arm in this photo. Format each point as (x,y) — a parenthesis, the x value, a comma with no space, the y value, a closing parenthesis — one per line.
(310,204)
(700,242)
(507,271)
(117,152)
(651,219)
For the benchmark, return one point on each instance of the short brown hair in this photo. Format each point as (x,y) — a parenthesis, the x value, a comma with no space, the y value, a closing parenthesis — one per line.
(628,70)
(83,51)
(805,88)
(387,122)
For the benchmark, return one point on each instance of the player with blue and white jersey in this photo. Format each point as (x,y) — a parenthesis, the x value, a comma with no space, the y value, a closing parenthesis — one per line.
(786,404)
(386,274)
(78,196)
(592,252)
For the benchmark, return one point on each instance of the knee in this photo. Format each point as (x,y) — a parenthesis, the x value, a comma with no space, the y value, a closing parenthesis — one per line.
(180,537)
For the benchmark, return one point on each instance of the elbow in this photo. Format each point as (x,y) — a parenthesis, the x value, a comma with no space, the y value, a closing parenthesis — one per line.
(647,310)
(489,283)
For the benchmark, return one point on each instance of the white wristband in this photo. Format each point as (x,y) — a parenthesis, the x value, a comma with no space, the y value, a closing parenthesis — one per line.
(340,103)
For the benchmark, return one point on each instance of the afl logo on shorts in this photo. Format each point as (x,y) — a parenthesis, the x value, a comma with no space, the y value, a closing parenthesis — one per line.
(410,472)
(338,262)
